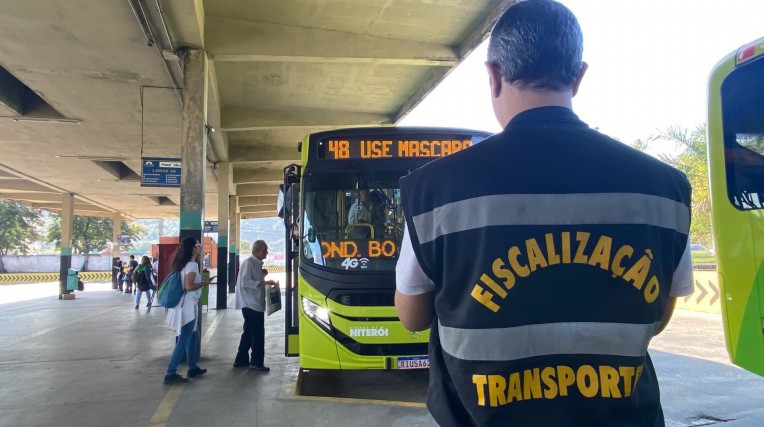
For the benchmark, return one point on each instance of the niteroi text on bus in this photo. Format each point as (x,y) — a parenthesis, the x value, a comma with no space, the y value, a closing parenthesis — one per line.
(392,148)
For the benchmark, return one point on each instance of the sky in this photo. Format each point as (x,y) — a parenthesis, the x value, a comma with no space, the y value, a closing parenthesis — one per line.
(649,62)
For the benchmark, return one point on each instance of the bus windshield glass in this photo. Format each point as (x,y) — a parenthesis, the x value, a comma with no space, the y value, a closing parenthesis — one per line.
(352,220)
(743,123)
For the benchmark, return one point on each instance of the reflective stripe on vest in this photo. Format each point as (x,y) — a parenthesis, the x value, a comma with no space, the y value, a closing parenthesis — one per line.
(552,209)
(508,344)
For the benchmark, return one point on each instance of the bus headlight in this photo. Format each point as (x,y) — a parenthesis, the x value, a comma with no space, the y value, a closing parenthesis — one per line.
(319,314)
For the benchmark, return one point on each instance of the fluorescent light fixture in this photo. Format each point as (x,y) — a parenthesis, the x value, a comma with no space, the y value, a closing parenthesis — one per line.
(46,120)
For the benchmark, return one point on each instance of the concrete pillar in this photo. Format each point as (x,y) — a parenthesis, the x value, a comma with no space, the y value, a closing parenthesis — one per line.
(193,152)
(224,177)
(233,242)
(238,240)
(67,230)
(194,144)
(115,249)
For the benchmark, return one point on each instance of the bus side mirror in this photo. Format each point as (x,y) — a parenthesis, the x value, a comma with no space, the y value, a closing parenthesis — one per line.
(291,179)
(311,235)
(280,202)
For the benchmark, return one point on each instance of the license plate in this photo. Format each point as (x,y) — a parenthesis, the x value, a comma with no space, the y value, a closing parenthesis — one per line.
(422,362)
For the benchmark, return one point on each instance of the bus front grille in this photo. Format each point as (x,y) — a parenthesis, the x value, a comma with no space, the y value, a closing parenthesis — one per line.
(367,299)
(416,349)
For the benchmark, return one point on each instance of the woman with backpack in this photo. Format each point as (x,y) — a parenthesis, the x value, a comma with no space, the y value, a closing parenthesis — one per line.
(143,276)
(182,317)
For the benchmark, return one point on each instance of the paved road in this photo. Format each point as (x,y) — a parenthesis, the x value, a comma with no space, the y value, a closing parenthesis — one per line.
(699,385)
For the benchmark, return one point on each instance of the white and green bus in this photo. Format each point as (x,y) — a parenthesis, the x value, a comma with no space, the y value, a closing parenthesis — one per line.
(736,171)
(344,226)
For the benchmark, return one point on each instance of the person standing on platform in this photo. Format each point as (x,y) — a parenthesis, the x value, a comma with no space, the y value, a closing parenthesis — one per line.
(250,298)
(545,258)
(182,318)
(143,281)
(133,266)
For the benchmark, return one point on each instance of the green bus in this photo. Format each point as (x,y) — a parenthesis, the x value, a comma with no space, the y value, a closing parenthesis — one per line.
(344,226)
(736,169)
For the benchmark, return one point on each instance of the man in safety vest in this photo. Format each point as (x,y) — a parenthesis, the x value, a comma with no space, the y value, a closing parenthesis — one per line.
(545,258)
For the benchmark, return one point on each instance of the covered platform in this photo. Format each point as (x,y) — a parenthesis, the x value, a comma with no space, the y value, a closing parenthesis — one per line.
(97,361)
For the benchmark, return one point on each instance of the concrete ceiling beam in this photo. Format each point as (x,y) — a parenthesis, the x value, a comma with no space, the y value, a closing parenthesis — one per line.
(482,30)
(253,151)
(22,185)
(473,40)
(257,200)
(243,190)
(237,40)
(236,118)
(85,212)
(257,176)
(48,206)
(258,209)
(265,214)
(32,197)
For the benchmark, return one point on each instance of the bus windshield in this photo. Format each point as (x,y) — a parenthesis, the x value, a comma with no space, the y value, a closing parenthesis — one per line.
(742,96)
(352,221)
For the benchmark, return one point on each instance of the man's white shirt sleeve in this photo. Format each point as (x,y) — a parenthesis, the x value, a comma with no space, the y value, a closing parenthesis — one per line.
(682,282)
(249,279)
(409,276)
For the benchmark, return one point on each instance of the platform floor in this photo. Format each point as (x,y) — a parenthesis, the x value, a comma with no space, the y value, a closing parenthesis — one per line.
(96,361)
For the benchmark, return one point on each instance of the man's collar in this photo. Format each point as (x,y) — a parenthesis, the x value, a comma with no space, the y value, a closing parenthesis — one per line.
(543,117)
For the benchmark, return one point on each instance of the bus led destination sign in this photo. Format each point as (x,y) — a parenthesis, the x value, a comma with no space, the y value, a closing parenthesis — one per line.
(340,149)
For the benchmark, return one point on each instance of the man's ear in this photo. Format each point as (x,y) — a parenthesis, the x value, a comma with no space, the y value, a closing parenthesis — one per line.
(494,79)
(579,77)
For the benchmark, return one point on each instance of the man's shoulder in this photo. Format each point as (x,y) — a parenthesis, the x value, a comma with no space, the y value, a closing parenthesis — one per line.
(253,261)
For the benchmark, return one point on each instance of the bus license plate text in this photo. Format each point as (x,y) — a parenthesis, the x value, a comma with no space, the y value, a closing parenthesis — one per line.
(413,362)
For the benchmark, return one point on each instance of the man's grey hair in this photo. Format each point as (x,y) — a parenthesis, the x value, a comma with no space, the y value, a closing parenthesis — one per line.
(537,44)
(258,245)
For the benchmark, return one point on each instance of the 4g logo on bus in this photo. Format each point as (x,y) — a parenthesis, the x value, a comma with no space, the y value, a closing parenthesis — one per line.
(359,249)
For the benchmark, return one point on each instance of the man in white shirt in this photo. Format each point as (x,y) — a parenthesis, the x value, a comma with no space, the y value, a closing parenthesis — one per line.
(250,298)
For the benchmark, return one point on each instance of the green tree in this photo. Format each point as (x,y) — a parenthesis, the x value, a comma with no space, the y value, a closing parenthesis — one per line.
(91,234)
(691,157)
(18,228)
(245,246)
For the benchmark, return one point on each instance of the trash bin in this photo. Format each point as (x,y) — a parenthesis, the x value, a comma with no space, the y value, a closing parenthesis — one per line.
(205,297)
(72,280)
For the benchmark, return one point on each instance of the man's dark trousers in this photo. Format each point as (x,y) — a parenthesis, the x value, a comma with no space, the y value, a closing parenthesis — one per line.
(253,337)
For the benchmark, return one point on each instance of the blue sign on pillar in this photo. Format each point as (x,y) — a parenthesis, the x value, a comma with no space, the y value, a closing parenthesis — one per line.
(210,226)
(160,172)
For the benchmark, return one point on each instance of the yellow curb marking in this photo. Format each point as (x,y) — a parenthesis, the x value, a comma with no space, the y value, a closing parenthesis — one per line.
(167,406)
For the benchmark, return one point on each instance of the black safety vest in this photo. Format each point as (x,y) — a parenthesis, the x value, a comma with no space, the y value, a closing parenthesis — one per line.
(552,248)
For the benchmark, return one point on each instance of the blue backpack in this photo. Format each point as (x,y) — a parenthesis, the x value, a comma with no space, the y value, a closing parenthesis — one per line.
(171,291)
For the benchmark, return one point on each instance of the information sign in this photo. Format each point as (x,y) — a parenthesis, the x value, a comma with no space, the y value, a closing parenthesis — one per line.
(160,172)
